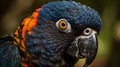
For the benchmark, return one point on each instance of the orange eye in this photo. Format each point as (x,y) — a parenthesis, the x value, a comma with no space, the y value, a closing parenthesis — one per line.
(62,25)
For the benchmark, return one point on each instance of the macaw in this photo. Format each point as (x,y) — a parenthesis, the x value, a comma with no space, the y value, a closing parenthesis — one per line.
(57,34)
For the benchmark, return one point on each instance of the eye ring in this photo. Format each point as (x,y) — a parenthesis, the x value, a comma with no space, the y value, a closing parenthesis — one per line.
(87,31)
(63,26)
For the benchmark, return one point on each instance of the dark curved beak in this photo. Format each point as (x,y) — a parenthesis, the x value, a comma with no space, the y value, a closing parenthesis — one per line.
(84,48)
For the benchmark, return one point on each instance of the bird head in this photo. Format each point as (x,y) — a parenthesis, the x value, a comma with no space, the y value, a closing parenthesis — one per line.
(66,28)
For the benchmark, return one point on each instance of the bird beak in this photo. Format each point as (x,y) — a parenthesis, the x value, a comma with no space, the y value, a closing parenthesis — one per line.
(84,47)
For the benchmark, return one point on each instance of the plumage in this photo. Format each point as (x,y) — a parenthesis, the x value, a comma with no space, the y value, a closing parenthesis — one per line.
(39,43)
(9,55)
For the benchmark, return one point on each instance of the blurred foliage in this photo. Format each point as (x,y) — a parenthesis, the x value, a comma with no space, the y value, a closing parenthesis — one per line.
(13,11)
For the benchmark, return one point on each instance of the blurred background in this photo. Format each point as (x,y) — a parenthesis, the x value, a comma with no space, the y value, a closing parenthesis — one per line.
(13,11)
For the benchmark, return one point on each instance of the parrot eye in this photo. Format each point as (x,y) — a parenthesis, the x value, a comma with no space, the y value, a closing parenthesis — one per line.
(63,25)
(87,31)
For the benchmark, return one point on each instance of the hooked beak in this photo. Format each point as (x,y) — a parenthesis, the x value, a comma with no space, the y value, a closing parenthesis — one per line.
(84,48)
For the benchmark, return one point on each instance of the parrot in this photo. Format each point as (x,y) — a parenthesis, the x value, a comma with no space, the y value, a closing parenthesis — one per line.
(56,34)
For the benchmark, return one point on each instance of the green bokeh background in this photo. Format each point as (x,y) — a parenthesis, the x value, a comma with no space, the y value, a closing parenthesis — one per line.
(13,11)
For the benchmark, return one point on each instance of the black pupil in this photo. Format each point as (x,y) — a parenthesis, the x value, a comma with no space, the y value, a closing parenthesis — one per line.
(87,31)
(63,24)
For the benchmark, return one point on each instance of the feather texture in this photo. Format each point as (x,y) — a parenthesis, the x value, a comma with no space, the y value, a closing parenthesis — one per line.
(9,55)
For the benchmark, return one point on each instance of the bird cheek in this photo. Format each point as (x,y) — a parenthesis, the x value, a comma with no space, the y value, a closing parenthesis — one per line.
(73,49)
